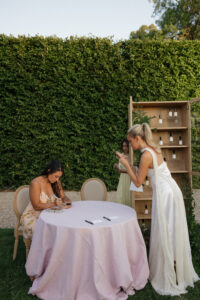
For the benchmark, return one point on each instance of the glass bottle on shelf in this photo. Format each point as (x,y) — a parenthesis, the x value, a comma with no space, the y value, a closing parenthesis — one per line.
(147,181)
(171,139)
(161,141)
(146,211)
(160,119)
(180,141)
(175,113)
(170,112)
(144,226)
(174,155)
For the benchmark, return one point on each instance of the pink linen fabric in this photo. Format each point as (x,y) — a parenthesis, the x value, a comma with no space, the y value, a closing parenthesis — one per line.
(74,260)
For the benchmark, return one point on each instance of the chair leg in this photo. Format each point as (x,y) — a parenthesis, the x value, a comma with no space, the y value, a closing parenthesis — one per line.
(27,243)
(15,248)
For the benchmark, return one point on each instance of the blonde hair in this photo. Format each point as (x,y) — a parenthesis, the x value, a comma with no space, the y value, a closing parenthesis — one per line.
(144,131)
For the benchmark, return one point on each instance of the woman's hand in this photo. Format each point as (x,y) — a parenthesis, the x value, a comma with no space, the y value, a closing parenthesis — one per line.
(116,167)
(122,159)
(67,204)
(58,202)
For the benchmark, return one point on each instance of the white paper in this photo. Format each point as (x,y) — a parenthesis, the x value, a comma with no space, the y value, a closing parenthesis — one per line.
(136,189)
(113,217)
(96,221)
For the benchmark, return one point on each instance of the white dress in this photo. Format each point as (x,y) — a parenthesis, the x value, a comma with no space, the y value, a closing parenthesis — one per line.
(169,239)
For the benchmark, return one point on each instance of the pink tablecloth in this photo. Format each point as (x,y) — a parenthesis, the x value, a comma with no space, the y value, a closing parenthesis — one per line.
(74,260)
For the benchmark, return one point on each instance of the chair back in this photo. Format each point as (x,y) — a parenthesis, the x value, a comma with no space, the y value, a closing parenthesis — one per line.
(93,189)
(21,199)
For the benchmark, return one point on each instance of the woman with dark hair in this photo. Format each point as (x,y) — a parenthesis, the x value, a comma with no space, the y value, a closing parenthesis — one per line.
(123,195)
(45,192)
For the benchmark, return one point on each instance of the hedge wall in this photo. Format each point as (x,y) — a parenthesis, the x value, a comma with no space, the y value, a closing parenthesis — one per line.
(68,99)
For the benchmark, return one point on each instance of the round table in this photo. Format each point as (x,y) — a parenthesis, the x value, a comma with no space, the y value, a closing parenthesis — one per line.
(91,251)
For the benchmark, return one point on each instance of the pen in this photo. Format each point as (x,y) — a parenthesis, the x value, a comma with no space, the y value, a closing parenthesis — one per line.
(107,218)
(89,222)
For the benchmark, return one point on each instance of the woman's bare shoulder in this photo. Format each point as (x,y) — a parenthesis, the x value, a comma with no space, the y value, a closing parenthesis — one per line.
(146,155)
(146,158)
(36,181)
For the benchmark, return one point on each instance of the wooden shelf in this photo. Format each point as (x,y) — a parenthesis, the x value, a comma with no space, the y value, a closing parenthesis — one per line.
(179,171)
(173,146)
(160,104)
(155,129)
(144,198)
(143,216)
(175,123)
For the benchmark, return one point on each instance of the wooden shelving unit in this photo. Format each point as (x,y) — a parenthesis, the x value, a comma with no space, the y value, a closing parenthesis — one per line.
(170,126)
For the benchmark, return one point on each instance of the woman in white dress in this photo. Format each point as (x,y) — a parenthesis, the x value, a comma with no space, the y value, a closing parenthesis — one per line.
(170,260)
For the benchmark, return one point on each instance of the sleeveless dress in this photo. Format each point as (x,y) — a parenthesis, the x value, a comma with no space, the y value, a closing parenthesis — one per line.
(123,195)
(30,215)
(169,240)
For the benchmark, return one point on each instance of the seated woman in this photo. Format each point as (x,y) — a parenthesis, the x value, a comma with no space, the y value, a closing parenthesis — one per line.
(45,192)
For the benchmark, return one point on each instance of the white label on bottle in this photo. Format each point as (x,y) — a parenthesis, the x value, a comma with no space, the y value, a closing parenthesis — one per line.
(147,182)
(161,142)
(160,121)
(146,212)
(175,114)
(171,139)
(174,156)
(180,142)
(170,113)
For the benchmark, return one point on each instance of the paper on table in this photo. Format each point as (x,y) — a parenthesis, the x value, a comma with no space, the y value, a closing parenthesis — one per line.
(96,221)
(113,217)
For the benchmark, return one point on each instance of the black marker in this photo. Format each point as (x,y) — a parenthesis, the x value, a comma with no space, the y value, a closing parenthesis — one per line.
(107,218)
(89,222)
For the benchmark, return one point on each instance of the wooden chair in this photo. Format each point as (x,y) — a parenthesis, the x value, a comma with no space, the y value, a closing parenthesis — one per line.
(20,202)
(93,189)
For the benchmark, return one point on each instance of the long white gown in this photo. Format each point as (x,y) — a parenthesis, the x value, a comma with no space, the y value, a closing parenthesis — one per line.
(169,239)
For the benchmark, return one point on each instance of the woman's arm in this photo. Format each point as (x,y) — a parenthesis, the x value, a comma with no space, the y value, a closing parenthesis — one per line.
(64,198)
(145,162)
(118,169)
(34,193)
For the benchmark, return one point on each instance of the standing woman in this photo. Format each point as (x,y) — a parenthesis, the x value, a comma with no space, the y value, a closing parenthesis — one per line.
(170,260)
(123,194)
(45,192)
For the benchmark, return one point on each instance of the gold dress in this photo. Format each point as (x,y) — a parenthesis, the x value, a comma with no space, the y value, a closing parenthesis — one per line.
(30,215)
(123,189)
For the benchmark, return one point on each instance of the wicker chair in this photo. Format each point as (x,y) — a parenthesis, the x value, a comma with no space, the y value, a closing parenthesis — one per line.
(21,200)
(93,189)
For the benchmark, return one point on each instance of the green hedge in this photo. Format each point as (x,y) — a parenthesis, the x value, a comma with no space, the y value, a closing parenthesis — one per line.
(68,99)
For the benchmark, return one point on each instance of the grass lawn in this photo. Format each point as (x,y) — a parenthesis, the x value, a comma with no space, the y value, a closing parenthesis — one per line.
(14,283)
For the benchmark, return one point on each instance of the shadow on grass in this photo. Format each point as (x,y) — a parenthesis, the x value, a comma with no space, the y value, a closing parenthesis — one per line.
(14,283)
